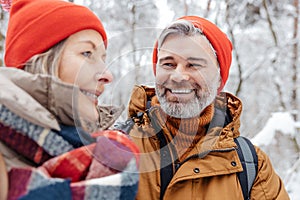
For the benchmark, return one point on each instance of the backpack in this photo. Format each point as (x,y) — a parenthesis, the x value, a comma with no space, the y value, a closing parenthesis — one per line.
(249,160)
(221,118)
(247,156)
(245,150)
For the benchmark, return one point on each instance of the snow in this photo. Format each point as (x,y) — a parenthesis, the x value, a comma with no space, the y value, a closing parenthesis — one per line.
(284,123)
(293,186)
(256,51)
(279,121)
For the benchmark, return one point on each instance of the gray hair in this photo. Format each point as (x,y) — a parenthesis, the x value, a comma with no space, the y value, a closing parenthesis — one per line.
(181,28)
(47,62)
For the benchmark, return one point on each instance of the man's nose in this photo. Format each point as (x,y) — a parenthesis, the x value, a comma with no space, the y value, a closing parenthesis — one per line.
(180,74)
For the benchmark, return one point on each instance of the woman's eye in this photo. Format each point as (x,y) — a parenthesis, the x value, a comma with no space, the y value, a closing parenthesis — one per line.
(87,54)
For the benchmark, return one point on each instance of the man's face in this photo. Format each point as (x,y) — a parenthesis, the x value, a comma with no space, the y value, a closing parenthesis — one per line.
(187,75)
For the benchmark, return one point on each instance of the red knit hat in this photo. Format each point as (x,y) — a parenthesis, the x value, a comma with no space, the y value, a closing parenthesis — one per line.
(218,40)
(37,25)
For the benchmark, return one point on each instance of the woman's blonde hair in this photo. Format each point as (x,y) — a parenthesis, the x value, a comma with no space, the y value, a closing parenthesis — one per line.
(47,62)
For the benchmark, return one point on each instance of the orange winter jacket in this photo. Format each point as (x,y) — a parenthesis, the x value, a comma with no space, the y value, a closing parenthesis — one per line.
(210,170)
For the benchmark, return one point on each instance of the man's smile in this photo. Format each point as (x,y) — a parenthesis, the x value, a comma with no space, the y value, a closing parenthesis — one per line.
(179,95)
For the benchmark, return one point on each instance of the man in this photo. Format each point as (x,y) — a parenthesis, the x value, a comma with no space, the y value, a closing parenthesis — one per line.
(185,154)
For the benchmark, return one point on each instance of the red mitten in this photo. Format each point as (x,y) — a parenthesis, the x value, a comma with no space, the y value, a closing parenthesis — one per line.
(112,153)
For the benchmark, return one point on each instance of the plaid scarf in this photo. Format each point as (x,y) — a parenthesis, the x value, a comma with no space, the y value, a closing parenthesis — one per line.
(105,169)
(34,142)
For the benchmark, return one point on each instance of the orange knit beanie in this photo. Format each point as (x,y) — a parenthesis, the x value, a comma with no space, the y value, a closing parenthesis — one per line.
(36,25)
(218,40)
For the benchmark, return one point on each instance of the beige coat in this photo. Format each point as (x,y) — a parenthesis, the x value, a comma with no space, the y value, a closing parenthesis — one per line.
(30,97)
(212,175)
(41,100)
(45,101)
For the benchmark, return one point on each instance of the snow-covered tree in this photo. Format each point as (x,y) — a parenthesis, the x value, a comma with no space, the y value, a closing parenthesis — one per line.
(131,29)
(264,73)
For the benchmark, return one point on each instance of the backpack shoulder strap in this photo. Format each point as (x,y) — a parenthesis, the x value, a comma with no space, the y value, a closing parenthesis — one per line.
(166,162)
(249,160)
(246,153)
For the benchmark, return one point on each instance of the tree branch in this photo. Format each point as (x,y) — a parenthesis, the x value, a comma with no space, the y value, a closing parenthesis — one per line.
(274,36)
(237,58)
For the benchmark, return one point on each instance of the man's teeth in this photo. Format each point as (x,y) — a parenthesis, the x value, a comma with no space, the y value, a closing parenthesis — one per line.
(89,94)
(185,91)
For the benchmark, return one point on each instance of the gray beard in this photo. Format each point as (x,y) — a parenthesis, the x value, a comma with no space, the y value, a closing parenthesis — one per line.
(189,109)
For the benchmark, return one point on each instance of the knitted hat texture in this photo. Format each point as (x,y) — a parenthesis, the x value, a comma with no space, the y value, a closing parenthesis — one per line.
(218,40)
(36,25)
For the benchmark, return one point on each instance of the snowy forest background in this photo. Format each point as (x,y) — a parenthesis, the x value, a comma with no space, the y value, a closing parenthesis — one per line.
(265,73)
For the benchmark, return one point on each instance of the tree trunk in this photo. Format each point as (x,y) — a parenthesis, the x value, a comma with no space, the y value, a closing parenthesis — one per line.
(135,60)
(236,54)
(295,61)
(275,39)
(186,7)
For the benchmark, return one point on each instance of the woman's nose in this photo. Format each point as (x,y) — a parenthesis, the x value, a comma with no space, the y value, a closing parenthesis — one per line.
(104,77)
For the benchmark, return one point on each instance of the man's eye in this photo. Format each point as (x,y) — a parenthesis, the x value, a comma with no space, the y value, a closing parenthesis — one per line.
(87,54)
(167,64)
(196,65)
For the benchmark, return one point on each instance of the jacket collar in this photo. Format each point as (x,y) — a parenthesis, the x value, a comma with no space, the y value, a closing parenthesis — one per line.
(50,99)
(225,101)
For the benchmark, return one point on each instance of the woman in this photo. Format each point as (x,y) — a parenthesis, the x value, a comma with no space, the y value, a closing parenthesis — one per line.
(55,57)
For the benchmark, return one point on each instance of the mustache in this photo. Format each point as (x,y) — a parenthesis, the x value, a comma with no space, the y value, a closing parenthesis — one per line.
(161,89)
(176,85)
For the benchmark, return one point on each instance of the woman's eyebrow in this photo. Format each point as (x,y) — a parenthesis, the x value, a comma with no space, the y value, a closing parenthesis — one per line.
(89,42)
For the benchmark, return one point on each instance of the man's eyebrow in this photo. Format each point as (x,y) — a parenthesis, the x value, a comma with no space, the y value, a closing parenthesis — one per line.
(165,58)
(196,59)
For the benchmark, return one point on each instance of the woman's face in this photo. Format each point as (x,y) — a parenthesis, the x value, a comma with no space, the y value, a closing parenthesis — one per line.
(82,63)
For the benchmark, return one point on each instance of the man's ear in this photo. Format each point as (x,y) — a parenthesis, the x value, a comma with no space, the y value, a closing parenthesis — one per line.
(220,85)
(220,81)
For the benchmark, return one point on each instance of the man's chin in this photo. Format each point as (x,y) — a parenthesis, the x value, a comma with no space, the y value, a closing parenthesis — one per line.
(180,110)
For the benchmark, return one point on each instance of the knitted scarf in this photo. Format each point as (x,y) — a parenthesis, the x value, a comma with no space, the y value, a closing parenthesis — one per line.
(185,133)
(106,169)
(67,169)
